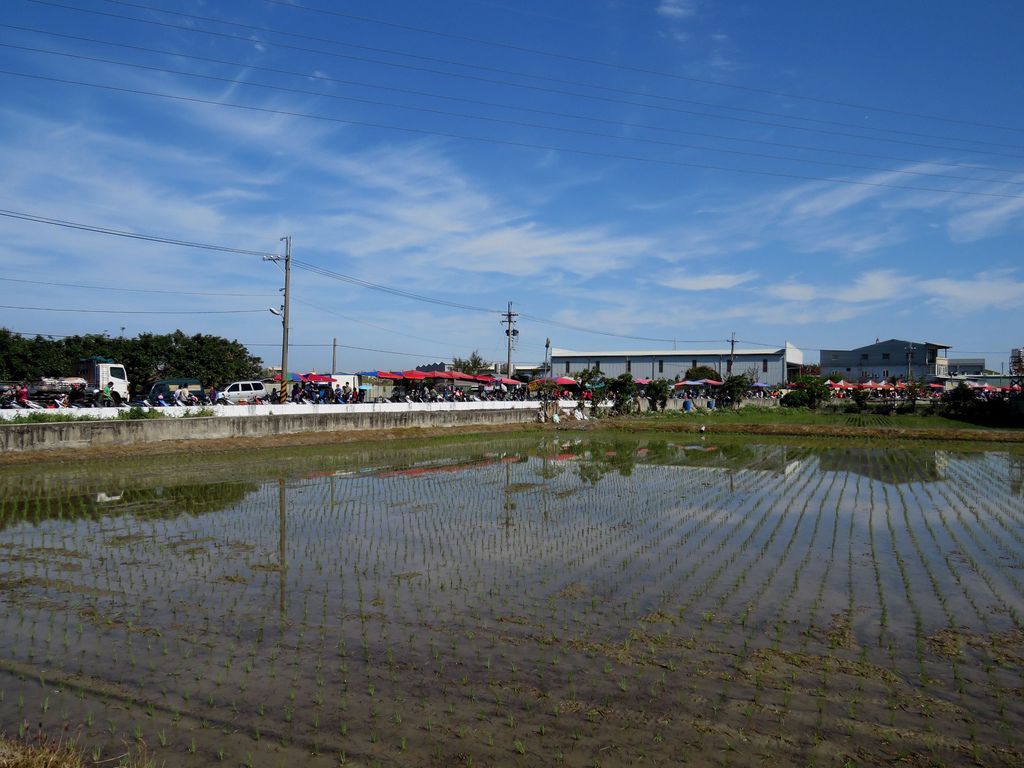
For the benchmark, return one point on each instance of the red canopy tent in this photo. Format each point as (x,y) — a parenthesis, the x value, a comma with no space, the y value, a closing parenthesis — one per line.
(414,375)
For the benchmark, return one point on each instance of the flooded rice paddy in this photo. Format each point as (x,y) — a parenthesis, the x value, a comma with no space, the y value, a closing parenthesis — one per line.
(579,601)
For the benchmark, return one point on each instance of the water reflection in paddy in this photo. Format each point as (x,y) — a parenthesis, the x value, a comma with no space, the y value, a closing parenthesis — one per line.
(532,601)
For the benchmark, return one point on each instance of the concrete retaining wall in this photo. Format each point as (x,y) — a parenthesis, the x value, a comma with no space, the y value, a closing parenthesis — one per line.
(260,421)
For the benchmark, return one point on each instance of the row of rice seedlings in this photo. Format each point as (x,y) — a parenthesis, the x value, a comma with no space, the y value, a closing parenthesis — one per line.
(968,586)
(984,510)
(775,495)
(956,688)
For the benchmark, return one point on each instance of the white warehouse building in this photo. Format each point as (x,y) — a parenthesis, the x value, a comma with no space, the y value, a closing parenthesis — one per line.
(766,365)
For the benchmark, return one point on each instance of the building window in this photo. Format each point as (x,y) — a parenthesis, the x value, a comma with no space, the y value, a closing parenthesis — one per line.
(863,355)
(661,366)
(885,374)
(567,367)
(847,370)
(885,355)
(764,365)
(629,367)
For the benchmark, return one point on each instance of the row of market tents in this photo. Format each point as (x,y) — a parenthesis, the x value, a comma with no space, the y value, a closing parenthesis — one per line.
(450,375)
(900,385)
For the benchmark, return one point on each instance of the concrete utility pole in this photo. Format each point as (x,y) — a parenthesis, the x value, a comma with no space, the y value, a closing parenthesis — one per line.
(287,240)
(511,332)
(334,356)
(732,351)
(910,357)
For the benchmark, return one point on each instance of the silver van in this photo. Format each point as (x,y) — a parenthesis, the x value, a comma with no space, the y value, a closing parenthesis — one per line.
(242,391)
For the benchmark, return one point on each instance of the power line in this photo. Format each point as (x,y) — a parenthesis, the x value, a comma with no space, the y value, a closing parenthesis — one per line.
(505,121)
(324,272)
(625,67)
(503,142)
(131,290)
(477,102)
(137,311)
(334,312)
(131,235)
(491,81)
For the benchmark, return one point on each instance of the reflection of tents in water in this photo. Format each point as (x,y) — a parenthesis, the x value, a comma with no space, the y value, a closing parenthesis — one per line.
(885,464)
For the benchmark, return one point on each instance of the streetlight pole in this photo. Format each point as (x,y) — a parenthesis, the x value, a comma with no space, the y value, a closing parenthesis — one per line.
(287,240)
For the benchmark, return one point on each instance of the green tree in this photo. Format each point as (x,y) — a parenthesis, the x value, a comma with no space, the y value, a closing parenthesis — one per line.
(657,394)
(810,392)
(622,391)
(589,379)
(960,402)
(146,358)
(474,364)
(701,372)
(731,393)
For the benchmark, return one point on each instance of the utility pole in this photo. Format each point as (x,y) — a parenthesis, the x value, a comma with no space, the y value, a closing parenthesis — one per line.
(732,351)
(910,356)
(511,332)
(287,240)
(547,357)
(334,356)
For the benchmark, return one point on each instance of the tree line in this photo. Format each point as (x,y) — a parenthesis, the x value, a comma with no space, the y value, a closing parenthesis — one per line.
(147,357)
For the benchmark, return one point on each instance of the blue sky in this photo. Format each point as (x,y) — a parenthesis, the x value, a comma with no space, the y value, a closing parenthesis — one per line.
(660,170)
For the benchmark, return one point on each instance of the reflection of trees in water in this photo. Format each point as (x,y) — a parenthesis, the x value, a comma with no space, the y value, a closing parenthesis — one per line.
(887,465)
(598,458)
(143,503)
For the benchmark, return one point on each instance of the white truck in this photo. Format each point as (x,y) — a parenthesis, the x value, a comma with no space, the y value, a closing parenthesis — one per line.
(91,375)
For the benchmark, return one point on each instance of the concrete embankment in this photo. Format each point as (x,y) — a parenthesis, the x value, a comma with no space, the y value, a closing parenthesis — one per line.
(239,422)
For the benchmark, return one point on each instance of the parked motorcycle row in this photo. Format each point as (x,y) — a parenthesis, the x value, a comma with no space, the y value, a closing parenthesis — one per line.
(12,396)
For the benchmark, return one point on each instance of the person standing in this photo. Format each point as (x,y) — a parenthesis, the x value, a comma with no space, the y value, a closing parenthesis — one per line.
(181,397)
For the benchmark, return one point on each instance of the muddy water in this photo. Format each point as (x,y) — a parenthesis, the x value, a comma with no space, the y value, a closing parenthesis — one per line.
(586,600)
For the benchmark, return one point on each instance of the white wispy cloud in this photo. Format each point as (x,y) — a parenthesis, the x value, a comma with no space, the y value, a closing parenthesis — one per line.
(998,289)
(677,9)
(711,281)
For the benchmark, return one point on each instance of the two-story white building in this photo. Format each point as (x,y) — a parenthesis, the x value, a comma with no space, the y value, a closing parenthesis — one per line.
(887,359)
